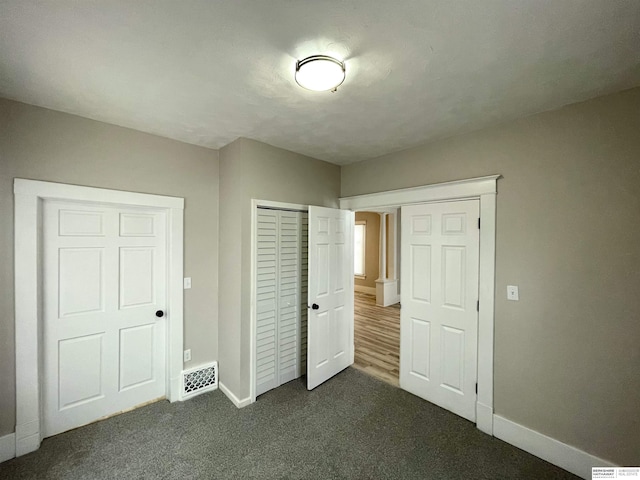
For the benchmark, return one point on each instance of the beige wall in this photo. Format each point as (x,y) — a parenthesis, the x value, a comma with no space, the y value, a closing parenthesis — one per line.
(372,249)
(265,173)
(41,144)
(230,256)
(567,360)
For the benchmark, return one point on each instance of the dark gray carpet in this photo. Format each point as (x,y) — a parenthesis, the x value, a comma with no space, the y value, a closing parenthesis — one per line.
(353,426)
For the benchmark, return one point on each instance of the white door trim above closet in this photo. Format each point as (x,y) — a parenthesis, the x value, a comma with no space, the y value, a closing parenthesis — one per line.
(485,189)
(255,204)
(28,197)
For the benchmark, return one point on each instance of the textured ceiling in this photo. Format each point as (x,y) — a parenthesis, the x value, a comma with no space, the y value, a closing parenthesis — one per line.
(206,72)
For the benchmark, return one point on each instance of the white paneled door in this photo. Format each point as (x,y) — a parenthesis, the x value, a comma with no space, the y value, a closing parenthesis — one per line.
(438,319)
(330,297)
(104,290)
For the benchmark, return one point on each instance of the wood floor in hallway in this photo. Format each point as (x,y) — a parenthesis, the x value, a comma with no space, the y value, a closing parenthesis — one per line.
(377,338)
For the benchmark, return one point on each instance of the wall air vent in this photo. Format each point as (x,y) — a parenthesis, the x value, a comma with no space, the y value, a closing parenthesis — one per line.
(199,380)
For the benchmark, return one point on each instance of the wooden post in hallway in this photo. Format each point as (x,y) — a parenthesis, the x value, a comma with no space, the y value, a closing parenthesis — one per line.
(386,286)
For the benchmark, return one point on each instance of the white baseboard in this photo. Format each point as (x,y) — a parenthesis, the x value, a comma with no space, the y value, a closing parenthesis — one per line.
(27,437)
(363,289)
(230,395)
(7,447)
(484,418)
(553,451)
(27,444)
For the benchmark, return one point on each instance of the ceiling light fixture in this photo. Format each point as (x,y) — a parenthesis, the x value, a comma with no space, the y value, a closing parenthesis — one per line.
(320,73)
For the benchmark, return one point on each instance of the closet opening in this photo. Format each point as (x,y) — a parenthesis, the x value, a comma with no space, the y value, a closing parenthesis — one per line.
(281,270)
(377,293)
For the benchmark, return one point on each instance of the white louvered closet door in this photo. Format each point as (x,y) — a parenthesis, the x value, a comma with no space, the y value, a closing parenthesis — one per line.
(280,297)
(266,304)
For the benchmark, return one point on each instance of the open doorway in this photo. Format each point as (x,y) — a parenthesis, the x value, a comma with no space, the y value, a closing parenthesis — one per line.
(377,294)
(483,189)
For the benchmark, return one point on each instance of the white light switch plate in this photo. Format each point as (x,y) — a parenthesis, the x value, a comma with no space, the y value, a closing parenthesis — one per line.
(187,355)
(512,292)
(187,283)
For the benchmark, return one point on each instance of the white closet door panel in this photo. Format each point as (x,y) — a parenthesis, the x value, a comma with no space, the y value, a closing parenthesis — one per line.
(80,382)
(136,276)
(136,356)
(288,295)
(266,301)
(81,281)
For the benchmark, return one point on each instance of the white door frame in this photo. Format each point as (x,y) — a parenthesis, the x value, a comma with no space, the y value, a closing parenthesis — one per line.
(255,203)
(28,198)
(484,189)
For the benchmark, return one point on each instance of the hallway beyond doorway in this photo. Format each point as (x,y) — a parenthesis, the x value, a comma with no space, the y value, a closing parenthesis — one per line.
(377,338)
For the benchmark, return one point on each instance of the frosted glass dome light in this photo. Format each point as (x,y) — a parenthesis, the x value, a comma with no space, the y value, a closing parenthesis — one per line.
(320,73)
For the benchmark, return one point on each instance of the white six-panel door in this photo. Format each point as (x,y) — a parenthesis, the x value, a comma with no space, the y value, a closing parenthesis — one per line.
(330,316)
(438,319)
(104,279)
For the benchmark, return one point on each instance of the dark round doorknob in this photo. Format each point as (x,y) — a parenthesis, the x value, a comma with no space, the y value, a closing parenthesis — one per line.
(159,313)
(315,306)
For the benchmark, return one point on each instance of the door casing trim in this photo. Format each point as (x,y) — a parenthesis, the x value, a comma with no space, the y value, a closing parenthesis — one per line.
(484,189)
(28,198)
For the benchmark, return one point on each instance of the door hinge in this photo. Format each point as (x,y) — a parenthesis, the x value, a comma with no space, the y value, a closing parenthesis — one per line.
(478,223)
(476,388)
(478,306)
